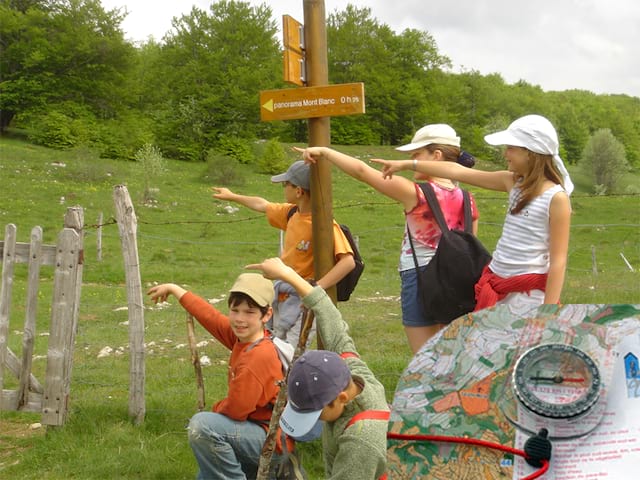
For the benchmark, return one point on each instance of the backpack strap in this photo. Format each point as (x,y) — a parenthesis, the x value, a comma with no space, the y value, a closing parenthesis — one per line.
(434,205)
(369,415)
(413,251)
(284,351)
(291,211)
(468,219)
(250,347)
(345,355)
(432,201)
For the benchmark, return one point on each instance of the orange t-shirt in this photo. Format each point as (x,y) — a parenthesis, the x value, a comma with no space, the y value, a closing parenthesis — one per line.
(298,246)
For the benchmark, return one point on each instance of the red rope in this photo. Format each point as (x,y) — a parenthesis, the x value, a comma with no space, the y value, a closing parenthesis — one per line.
(472,441)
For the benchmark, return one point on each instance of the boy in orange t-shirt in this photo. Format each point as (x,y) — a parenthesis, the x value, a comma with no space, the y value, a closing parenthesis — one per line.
(294,217)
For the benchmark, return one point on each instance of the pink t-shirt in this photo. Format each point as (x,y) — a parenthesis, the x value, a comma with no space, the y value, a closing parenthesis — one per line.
(424,227)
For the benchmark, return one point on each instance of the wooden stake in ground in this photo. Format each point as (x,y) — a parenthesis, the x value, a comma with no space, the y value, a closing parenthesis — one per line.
(128,228)
(281,400)
(195,360)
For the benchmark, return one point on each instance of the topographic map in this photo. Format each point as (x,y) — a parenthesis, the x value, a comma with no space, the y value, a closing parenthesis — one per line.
(457,385)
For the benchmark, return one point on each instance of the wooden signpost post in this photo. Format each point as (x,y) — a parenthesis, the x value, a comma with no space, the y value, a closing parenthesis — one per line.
(305,65)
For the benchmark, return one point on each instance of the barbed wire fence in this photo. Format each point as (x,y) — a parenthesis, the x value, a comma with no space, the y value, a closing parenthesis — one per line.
(166,336)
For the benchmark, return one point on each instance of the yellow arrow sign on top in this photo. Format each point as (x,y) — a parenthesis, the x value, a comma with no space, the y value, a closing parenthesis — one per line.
(268,105)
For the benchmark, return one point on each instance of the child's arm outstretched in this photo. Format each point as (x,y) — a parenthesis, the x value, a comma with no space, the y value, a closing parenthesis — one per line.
(258,204)
(399,188)
(501,180)
(275,269)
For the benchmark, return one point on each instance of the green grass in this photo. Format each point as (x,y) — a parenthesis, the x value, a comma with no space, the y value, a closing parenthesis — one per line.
(188,238)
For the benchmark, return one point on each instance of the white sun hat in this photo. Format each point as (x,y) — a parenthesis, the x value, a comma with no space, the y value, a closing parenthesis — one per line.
(535,133)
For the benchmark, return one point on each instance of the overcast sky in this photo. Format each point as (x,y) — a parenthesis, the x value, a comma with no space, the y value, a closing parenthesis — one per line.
(557,44)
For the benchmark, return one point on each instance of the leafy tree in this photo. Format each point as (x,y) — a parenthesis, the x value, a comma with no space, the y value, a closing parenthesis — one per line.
(274,158)
(209,72)
(60,52)
(392,67)
(604,158)
(573,131)
(153,165)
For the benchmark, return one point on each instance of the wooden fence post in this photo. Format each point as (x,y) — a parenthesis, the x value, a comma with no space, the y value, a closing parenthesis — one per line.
(99,238)
(67,283)
(8,262)
(128,226)
(35,252)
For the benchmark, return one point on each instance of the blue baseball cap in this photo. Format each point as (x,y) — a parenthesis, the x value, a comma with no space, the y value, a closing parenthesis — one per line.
(315,380)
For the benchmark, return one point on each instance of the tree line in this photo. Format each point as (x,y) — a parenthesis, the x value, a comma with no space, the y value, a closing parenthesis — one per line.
(69,77)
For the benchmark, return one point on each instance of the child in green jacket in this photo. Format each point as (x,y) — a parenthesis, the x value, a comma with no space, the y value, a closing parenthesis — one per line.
(328,389)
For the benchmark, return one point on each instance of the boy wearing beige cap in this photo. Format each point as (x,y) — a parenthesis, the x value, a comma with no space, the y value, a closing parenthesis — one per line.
(227,442)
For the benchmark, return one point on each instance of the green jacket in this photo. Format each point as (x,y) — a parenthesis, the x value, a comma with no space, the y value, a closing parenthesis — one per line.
(358,452)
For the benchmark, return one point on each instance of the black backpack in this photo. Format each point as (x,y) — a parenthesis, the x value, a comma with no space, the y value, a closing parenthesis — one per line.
(345,287)
(446,286)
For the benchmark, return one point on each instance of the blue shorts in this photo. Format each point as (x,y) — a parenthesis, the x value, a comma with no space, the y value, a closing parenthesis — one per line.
(412,311)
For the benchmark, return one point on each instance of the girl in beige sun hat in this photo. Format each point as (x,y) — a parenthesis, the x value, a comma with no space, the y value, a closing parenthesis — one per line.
(530,259)
(440,144)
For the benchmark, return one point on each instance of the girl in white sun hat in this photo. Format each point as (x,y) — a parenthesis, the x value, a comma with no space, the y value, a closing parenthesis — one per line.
(530,259)
(439,143)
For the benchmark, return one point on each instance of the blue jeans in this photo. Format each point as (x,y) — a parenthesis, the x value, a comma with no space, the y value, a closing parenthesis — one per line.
(413,314)
(226,449)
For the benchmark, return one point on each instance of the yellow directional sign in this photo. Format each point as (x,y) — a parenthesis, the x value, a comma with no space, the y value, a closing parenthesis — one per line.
(312,102)
(294,67)
(293,54)
(293,34)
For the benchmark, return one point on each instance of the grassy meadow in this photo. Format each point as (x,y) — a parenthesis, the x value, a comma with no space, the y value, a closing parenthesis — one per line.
(186,237)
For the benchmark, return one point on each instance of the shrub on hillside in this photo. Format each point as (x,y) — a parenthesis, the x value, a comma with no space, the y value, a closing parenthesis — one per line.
(352,131)
(604,159)
(236,148)
(60,128)
(122,137)
(153,165)
(88,166)
(222,170)
(273,158)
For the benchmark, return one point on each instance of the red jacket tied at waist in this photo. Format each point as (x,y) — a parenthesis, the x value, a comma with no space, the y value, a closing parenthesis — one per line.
(492,288)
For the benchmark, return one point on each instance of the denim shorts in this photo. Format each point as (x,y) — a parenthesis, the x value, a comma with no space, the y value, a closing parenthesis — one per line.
(412,311)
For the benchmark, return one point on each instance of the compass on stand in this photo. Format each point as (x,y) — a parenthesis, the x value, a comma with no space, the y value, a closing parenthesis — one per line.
(554,386)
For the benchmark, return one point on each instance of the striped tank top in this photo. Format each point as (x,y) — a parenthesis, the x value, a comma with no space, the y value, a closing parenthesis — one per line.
(524,244)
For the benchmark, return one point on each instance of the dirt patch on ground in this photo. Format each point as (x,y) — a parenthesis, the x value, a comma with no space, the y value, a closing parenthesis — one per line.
(13,434)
